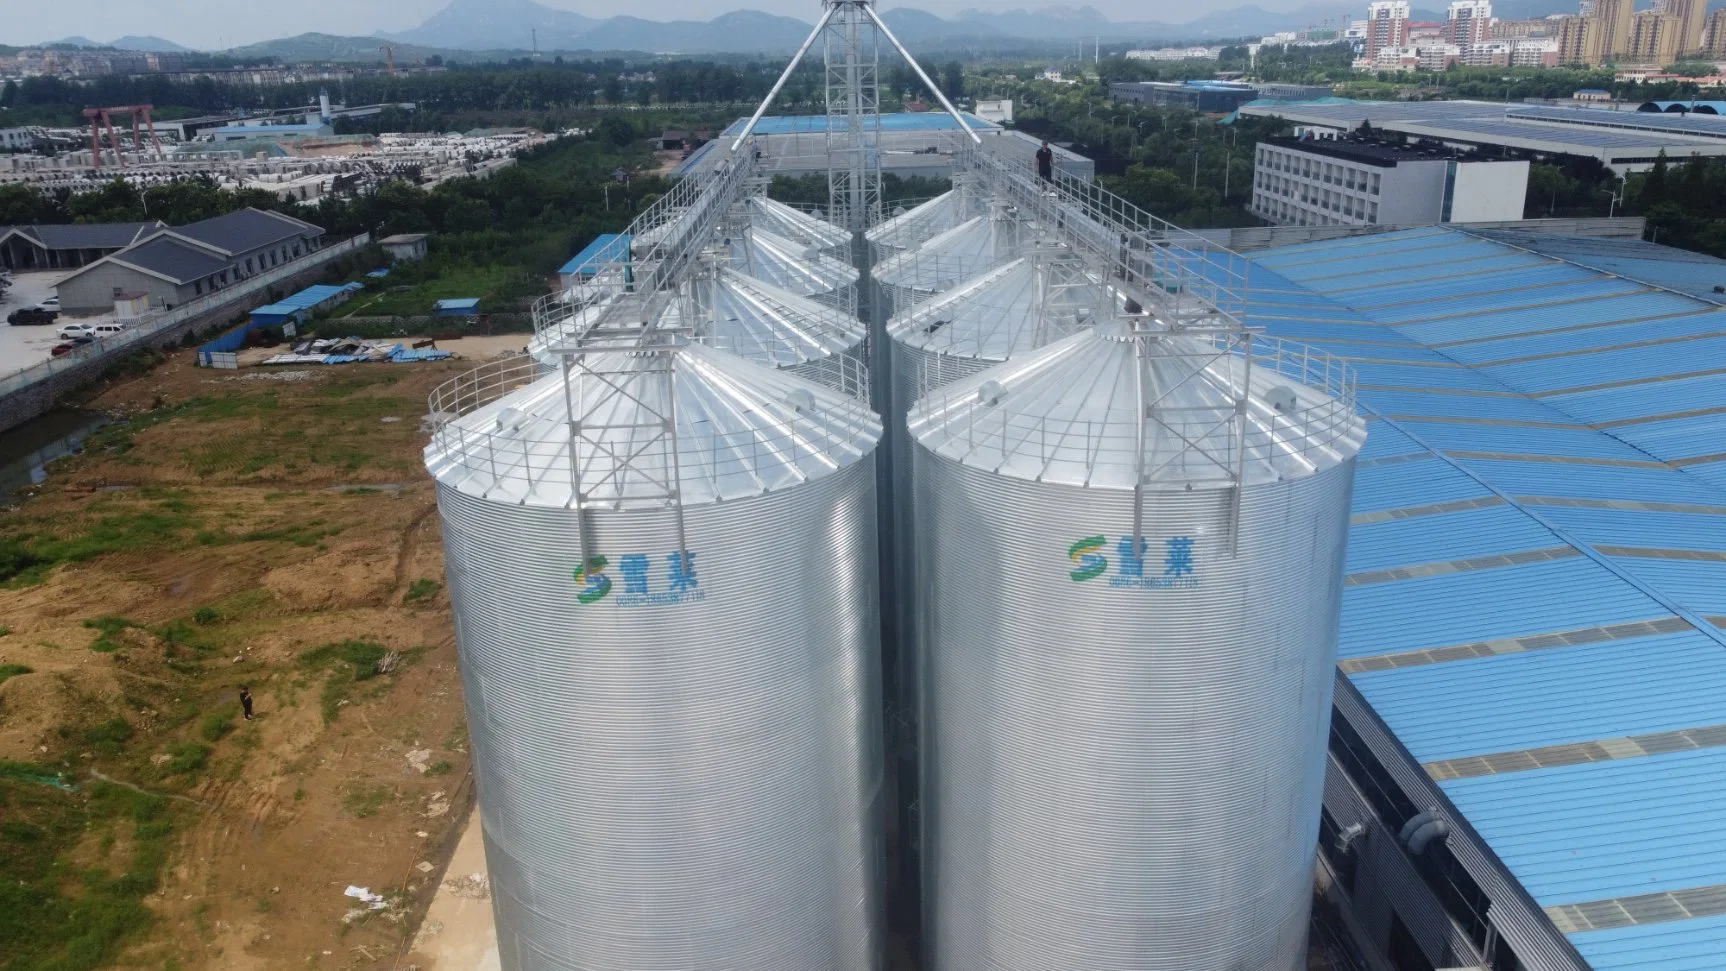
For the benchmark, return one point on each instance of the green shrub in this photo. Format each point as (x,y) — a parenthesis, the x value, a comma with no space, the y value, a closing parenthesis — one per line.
(422,590)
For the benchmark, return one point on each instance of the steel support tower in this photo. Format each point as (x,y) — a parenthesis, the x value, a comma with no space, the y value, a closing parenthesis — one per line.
(852,58)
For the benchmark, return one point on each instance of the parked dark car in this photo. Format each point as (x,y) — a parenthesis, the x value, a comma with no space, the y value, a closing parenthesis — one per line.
(71,345)
(32,315)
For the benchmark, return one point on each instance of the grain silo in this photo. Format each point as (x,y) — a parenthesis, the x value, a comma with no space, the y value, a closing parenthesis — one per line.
(785,222)
(1020,305)
(1136,542)
(909,228)
(720,307)
(662,563)
(949,258)
(788,265)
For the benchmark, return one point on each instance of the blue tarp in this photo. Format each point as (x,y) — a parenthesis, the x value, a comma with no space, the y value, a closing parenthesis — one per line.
(379,274)
(605,248)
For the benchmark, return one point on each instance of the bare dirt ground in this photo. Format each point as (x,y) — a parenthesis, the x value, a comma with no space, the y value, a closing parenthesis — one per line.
(238,529)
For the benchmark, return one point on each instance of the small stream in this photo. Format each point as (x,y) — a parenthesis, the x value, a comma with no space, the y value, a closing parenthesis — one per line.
(28,450)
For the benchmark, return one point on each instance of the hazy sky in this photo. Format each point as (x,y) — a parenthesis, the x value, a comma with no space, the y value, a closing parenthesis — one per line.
(223,23)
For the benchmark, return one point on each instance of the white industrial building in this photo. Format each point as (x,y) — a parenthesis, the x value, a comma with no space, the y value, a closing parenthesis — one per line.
(1344,182)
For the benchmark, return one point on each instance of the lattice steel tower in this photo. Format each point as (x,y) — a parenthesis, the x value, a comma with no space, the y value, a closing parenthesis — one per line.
(853,61)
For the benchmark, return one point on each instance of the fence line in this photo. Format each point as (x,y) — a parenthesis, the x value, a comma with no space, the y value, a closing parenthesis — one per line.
(155,322)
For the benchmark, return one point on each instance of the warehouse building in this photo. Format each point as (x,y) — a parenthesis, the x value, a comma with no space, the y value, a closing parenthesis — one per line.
(1356,182)
(67,246)
(1217,97)
(1528,751)
(183,263)
(1624,141)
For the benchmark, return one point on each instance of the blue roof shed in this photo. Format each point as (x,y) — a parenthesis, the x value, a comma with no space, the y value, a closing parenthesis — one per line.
(458,307)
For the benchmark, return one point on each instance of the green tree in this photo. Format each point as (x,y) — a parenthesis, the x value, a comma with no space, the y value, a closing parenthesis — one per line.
(953,79)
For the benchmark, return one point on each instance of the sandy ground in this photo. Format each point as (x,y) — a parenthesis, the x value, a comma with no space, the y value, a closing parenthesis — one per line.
(301,514)
(458,933)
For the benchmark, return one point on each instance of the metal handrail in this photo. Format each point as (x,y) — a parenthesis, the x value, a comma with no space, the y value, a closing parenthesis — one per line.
(153,323)
(502,453)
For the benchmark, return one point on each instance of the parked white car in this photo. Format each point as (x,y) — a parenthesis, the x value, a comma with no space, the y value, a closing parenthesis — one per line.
(52,303)
(69,331)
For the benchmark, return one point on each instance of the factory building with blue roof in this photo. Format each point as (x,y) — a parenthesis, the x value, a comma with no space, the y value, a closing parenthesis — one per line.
(1528,756)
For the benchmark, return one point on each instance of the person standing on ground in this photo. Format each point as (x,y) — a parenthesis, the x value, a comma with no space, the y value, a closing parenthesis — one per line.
(1046,162)
(246,701)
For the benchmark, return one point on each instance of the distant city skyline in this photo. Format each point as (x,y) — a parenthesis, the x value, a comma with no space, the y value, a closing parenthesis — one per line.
(210,25)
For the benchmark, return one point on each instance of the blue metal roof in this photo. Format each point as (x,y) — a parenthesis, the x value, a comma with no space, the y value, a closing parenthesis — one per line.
(605,248)
(461,303)
(1545,473)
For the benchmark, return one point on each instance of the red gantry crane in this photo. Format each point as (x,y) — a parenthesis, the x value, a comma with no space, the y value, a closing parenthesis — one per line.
(103,118)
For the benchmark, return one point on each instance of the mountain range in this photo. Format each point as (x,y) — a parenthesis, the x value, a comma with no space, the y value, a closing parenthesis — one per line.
(503,27)
(130,42)
(524,24)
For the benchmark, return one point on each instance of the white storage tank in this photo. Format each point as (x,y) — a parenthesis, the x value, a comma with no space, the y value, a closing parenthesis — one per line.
(1133,540)
(789,265)
(663,567)
(949,258)
(910,228)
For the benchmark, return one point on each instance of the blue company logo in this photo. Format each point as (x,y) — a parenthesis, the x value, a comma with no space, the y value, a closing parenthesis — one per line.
(1179,569)
(642,586)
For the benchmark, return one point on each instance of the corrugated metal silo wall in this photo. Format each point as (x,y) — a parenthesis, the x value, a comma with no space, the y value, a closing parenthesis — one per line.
(1123,772)
(677,775)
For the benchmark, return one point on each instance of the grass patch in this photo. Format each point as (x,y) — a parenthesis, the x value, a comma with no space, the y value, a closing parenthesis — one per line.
(186,758)
(58,917)
(363,802)
(422,589)
(13,670)
(217,725)
(205,616)
(440,767)
(108,632)
(348,663)
(109,737)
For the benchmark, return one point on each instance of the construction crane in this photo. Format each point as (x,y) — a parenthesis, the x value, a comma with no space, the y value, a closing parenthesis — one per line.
(101,118)
(390,52)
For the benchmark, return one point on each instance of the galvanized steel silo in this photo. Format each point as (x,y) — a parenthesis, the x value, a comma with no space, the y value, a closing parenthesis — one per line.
(912,227)
(949,258)
(781,220)
(722,308)
(1124,741)
(669,658)
(790,265)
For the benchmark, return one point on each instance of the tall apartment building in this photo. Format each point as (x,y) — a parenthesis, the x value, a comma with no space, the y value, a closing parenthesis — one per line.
(1654,37)
(1386,25)
(1470,23)
(1345,182)
(1615,25)
(1714,39)
(1580,41)
(1692,16)
(1507,29)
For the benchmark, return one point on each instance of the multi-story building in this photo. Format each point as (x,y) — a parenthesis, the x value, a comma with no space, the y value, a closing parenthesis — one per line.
(1386,25)
(1503,29)
(1615,18)
(1655,37)
(1469,23)
(1513,52)
(1350,182)
(1714,38)
(1692,18)
(1580,40)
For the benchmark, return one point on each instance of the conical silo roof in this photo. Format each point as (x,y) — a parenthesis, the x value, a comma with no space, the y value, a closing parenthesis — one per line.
(1012,308)
(726,309)
(1092,408)
(656,425)
(567,322)
(781,220)
(914,226)
(953,256)
(761,322)
(785,264)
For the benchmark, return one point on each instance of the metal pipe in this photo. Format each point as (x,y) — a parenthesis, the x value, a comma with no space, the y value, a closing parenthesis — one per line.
(820,25)
(886,32)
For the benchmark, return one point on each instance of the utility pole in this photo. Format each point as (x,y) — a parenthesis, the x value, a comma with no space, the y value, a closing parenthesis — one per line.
(1196,153)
